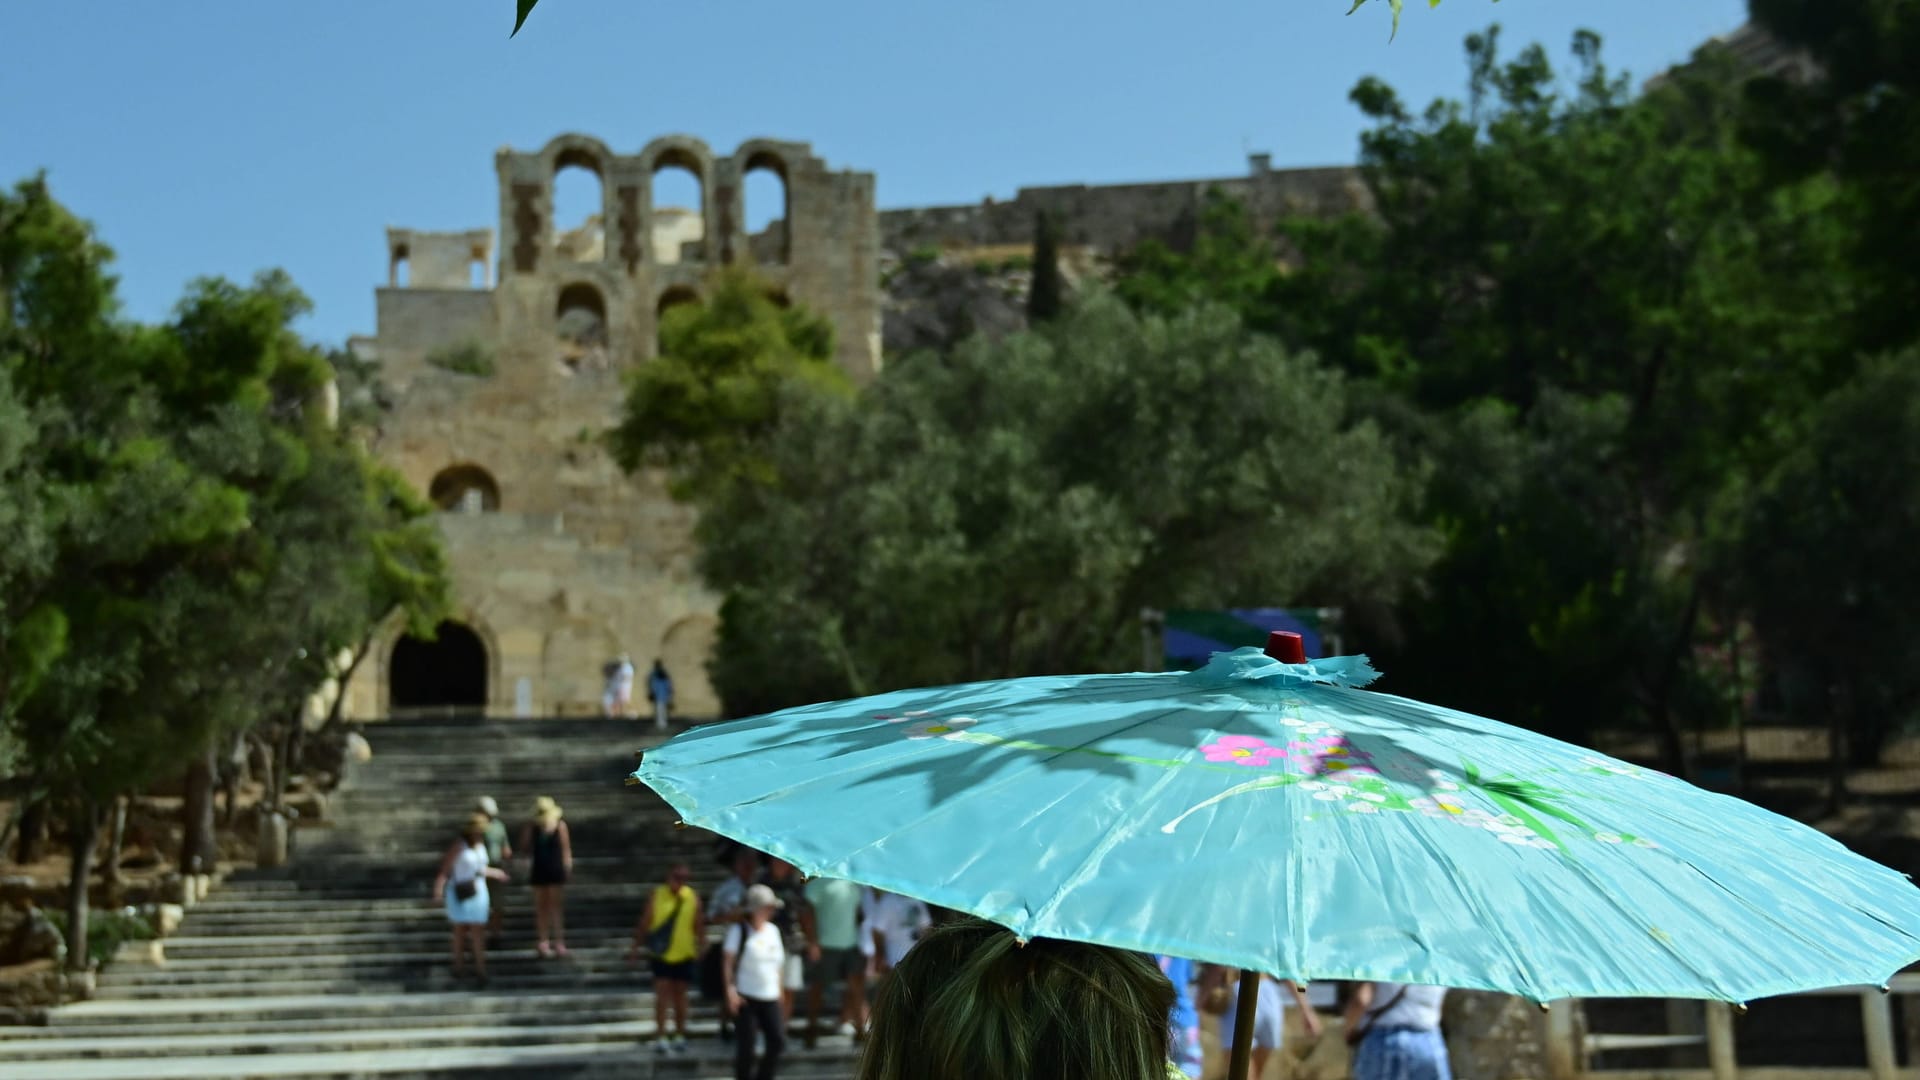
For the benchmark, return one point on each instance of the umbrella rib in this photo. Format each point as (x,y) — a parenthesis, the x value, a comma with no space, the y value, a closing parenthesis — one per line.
(1122,830)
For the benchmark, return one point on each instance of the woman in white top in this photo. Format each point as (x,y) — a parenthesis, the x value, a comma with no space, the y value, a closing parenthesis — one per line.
(465,866)
(754,956)
(1394,1029)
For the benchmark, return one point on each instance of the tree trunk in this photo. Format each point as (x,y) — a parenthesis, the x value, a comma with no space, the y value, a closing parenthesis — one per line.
(83,833)
(1839,710)
(116,840)
(345,678)
(33,833)
(199,850)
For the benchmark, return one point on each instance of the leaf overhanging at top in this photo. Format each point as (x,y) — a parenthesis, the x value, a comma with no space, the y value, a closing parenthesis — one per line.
(526,8)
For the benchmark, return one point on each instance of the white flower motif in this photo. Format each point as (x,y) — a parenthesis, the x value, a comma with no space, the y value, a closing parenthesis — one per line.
(1372,797)
(1291,722)
(1510,820)
(1359,807)
(1540,843)
(1608,837)
(1329,796)
(938,728)
(1312,785)
(1645,843)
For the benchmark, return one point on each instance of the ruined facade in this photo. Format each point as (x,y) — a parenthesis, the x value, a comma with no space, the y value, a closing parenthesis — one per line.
(505,365)
(1108,219)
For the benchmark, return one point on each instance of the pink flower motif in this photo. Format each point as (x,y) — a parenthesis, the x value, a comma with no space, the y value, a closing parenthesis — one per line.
(1241,750)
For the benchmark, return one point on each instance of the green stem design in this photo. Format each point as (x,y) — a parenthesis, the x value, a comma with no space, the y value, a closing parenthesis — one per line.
(1283,780)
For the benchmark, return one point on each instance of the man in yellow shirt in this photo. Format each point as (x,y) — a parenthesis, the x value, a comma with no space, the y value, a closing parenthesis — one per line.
(671,928)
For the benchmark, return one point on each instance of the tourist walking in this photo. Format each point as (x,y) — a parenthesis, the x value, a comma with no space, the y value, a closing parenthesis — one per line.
(754,958)
(895,922)
(465,869)
(671,926)
(784,880)
(499,853)
(617,698)
(728,907)
(830,923)
(729,902)
(550,849)
(1269,1018)
(1394,1029)
(660,693)
(1185,1050)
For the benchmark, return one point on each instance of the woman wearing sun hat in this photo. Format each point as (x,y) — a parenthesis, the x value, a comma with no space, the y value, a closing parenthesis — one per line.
(465,868)
(550,850)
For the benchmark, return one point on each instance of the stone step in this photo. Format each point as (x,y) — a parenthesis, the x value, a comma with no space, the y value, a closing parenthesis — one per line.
(422,978)
(146,1044)
(358,1008)
(558,1061)
(343,948)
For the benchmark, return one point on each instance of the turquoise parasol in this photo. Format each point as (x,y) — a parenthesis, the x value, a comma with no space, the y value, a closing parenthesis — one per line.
(1275,817)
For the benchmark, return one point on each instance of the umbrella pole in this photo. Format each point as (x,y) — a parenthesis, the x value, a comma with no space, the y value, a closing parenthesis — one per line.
(1243,1018)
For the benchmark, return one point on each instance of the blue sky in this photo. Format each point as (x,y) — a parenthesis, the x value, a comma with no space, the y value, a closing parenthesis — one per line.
(227,136)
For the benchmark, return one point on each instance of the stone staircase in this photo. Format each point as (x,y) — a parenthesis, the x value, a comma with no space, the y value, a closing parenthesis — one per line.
(336,966)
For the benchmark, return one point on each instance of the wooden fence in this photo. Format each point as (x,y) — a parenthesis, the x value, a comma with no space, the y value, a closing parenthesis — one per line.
(1570,1049)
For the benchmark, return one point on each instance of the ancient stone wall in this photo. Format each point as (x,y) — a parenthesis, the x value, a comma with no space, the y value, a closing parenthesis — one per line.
(1113,218)
(564,562)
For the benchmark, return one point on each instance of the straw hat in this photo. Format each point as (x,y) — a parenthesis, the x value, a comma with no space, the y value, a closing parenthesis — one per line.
(487,806)
(546,809)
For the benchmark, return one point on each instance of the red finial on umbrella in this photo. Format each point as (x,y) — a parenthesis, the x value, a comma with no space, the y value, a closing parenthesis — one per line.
(1287,647)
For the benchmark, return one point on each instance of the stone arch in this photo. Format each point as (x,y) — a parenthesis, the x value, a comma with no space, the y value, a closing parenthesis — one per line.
(399,266)
(453,671)
(578,241)
(465,488)
(769,239)
(570,665)
(673,229)
(685,649)
(580,313)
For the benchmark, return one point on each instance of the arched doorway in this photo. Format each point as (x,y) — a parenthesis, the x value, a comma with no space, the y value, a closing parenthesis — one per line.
(450,670)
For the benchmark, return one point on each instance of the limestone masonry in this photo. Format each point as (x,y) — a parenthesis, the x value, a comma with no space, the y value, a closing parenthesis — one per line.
(504,359)
(504,364)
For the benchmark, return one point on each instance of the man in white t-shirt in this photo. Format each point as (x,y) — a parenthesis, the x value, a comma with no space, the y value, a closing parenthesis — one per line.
(753,958)
(894,923)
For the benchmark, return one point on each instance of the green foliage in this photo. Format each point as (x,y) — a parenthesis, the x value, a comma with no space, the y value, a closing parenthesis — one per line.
(107,931)
(1047,295)
(463,357)
(924,255)
(1826,557)
(187,540)
(702,409)
(523,8)
(1396,6)
(1648,315)
(1008,509)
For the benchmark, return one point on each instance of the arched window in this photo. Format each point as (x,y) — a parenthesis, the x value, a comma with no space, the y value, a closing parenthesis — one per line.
(578,201)
(679,209)
(450,670)
(672,298)
(779,298)
(464,489)
(764,184)
(580,316)
(398,271)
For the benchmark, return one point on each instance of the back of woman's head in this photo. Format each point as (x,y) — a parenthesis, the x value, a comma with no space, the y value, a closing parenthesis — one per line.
(971,1003)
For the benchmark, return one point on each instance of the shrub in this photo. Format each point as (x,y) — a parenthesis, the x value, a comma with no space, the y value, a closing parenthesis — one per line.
(466,358)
